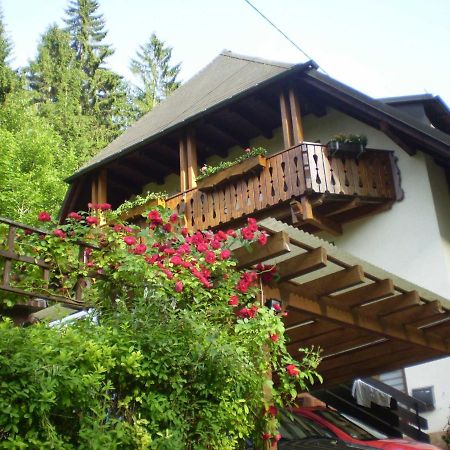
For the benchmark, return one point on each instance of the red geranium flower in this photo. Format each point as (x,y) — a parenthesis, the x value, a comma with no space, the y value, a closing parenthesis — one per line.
(262,239)
(225,254)
(155,217)
(272,410)
(247,234)
(140,249)
(167,227)
(178,286)
(274,337)
(118,227)
(74,215)
(266,436)
(252,224)
(60,234)
(210,257)
(103,206)
(129,240)
(292,370)
(44,216)
(91,220)
(234,300)
(173,217)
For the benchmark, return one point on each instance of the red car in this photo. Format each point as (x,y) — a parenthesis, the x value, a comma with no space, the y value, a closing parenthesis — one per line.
(348,431)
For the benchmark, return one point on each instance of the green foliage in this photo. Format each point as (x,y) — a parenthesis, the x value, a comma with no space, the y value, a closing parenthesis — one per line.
(207,171)
(158,78)
(8,79)
(350,139)
(176,358)
(33,163)
(139,200)
(446,435)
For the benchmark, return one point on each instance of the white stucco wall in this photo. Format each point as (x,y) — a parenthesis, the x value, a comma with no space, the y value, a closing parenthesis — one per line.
(436,374)
(411,240)
(405,240)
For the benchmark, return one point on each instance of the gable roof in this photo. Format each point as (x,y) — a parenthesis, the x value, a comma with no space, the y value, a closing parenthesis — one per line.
(224,79)
(230,76)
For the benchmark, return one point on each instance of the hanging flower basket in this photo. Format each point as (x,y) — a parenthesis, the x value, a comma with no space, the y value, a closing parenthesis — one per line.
(214,181)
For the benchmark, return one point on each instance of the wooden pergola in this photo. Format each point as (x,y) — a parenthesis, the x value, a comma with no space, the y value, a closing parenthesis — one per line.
(365,320)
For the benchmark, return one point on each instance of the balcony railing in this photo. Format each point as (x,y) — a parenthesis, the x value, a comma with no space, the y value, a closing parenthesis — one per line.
(289,174)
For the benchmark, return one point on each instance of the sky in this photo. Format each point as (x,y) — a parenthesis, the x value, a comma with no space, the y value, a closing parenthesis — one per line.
(381,47)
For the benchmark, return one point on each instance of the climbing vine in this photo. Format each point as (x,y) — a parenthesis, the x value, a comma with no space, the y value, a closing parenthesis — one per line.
(175,353)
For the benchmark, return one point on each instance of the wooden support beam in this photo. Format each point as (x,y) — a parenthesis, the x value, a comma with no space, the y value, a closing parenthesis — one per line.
(102,195)
(277,244)
(347,206)
(94,190)
(333,282)
(390,360)
(339,347)
(183,165)
(391,134)
(234,134)
(296,117)
(302,264)
(363,294)
(303,213)
(412,313)
(391,304)
(316,329)
(354,319)
(254,118)
(332,337)
(192,166)
(286,122)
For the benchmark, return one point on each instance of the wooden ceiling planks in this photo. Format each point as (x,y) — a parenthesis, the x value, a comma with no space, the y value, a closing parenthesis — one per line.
(374,323)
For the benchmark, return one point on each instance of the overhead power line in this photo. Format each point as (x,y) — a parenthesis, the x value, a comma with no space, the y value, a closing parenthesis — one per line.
(279,30)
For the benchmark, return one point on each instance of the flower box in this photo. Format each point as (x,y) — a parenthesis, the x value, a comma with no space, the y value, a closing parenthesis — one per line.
(346,149)
(216,180)
(139,209)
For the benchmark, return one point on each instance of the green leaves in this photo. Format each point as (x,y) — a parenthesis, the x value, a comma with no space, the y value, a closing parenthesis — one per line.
(179,354)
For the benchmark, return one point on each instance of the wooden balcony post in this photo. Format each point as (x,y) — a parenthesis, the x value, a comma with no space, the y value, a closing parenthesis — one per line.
(192,167)
(94,190)
(286,121)
(183,165)
(98,187)
(296,117)
(102,196)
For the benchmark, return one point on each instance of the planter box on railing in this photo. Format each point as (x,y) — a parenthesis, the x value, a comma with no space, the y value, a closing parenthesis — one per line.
(346,149)
(214,181)
(138,210)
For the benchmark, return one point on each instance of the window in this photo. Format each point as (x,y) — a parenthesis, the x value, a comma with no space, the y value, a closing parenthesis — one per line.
(426,395)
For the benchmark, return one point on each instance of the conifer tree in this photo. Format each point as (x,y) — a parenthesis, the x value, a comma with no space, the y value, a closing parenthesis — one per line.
(8,78)
(104,94)
(157,77)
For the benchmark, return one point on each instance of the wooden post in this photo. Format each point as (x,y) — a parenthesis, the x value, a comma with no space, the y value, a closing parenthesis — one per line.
(183,165)
(192,167)
(94,190)
(101,187)
(296,117)
(286,121)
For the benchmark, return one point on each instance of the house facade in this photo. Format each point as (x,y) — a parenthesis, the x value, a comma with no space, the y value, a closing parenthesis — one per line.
(388,206)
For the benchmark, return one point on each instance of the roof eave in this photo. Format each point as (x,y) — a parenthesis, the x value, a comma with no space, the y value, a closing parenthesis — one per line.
(297,68)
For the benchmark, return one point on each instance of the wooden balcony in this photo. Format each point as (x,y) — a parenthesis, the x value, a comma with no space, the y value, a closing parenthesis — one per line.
(302,185)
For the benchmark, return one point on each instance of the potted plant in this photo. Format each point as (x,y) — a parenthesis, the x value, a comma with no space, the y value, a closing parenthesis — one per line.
(351,146)
(211,177)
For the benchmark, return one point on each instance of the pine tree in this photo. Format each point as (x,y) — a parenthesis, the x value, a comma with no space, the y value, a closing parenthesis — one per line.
(8,78)
(56,81)
(105,95)
(158,78)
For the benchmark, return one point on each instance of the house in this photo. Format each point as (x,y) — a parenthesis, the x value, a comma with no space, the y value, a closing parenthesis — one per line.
(388,207)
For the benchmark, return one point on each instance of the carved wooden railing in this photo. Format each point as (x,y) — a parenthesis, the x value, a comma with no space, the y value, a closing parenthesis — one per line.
(9,255)
(303,169)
